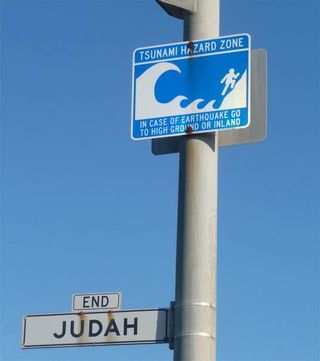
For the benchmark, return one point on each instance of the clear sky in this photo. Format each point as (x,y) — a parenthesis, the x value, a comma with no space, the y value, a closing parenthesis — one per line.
(86,209)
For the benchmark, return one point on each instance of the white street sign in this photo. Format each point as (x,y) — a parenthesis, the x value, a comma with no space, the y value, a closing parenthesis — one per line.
(96,328)
(91,302)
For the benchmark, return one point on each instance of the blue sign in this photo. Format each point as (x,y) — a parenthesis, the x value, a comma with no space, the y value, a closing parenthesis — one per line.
(191,87)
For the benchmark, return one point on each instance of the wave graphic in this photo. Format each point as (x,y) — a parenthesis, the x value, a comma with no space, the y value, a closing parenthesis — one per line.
(147,106)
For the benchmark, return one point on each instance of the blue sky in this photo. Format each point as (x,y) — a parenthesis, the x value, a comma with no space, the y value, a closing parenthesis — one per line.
(86,209)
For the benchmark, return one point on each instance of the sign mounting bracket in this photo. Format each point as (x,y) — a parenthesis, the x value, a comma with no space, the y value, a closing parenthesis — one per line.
(177,8)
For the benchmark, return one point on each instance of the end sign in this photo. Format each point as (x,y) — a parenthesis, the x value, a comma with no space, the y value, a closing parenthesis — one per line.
(90,302)
(191,87)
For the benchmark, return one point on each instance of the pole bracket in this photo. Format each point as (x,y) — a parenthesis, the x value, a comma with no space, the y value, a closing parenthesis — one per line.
(177,8)
(171,326)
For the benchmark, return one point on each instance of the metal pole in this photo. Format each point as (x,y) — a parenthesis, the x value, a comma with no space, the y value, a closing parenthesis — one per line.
(195,300)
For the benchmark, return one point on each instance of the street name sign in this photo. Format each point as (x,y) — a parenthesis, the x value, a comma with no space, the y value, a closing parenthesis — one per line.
(91,302)
(96,328)
(191,87)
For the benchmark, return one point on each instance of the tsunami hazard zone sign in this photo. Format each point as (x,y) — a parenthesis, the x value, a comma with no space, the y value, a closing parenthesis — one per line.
(191,87)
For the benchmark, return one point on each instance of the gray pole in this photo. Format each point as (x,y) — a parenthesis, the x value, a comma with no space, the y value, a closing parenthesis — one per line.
(195,300)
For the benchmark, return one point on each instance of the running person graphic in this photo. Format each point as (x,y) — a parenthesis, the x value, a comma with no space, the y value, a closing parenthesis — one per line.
(230,80)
